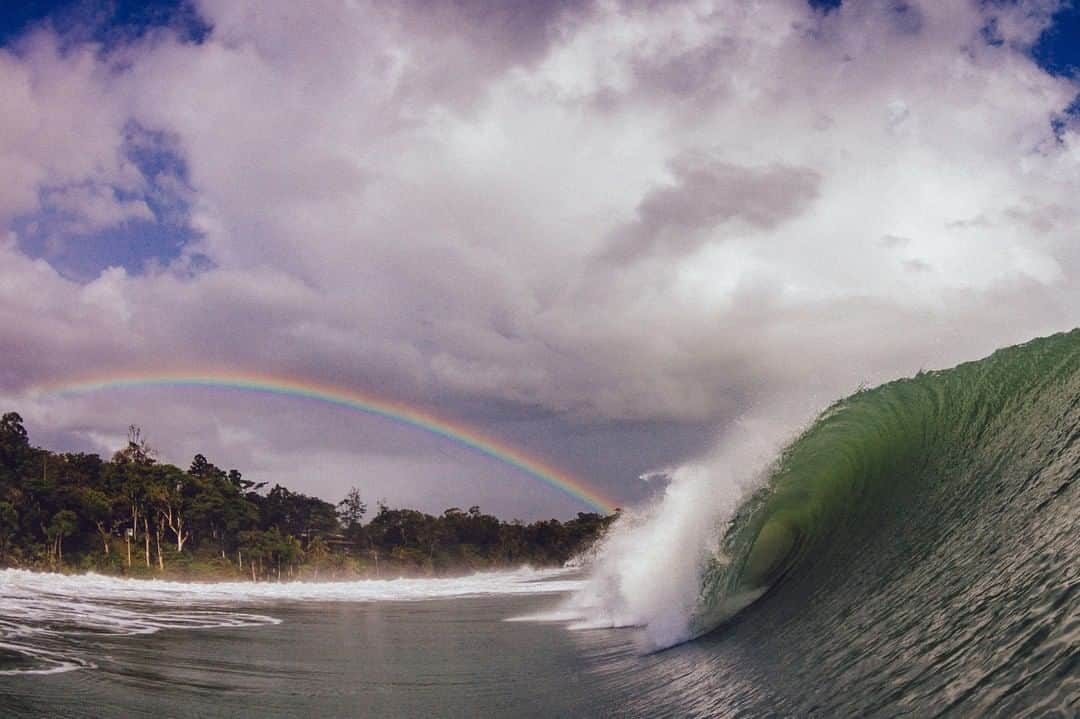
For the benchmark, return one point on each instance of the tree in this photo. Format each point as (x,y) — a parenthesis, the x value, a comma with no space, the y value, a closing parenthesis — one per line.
(12,429)
(298,514)
(270,548)
(14,444)
(138,450)
(9,525)
(352,509)
(97,508)
(253,543)
(244,485)
(133,463)
(63,524)
(218,507)
(318,550)
(173,502)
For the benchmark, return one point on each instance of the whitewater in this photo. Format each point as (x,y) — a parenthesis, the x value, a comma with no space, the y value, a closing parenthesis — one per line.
(44,616)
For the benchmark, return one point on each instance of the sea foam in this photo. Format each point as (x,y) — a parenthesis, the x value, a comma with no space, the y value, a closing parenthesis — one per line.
(647,572)
(43,616)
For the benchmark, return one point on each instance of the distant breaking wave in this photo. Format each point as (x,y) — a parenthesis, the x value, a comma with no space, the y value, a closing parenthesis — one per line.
(43,617)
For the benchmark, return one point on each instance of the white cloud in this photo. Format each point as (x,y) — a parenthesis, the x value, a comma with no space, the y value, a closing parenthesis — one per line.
(63,123)
(90,208)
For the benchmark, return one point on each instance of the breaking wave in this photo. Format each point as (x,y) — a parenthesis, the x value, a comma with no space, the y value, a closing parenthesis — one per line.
(921,538)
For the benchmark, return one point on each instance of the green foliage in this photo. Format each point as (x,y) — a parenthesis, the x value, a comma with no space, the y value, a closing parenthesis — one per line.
(137,516)
(14,445)
(9,524)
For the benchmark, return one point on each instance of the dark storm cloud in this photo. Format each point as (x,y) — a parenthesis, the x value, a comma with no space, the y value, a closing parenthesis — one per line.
(906,17)
(701,74)
(464,43)
(706,194)
(519,30)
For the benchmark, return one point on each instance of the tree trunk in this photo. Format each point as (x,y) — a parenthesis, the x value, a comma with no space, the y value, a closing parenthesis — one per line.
(158,531)
(134,530)
(146,537)
(176,524)
(104,537)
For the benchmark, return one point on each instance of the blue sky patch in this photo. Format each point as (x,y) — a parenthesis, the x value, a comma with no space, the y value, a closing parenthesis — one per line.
(84,228)
(109,22)
(1058,50)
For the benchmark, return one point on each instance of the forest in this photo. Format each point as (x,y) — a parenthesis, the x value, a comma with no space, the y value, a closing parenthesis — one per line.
(133,515)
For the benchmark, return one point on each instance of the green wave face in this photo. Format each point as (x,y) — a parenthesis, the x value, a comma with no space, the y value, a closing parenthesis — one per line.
(912,479)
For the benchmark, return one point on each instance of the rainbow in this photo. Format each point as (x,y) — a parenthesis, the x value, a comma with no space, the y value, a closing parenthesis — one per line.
(368,404)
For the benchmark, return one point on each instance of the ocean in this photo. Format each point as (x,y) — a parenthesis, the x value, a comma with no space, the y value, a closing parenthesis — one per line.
(915,552)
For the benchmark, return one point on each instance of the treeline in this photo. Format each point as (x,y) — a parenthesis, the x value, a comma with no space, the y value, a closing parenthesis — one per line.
(137,516)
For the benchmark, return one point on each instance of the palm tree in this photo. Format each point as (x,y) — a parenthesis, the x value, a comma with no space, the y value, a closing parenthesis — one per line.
(64,523)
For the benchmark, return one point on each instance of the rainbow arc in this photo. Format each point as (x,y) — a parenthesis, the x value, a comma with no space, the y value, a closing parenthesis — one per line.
(400,413)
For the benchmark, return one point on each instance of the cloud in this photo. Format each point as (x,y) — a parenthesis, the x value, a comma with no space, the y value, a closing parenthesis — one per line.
(707,194)
(412,201)
(89,208)
(64,126)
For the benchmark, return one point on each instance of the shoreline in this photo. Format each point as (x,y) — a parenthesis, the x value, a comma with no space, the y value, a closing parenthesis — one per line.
(305,578)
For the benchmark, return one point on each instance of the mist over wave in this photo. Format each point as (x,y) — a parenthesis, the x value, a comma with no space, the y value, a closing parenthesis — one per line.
(648,571)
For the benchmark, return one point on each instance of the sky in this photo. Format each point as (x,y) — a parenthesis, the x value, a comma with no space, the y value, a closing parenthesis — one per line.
(612,235)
